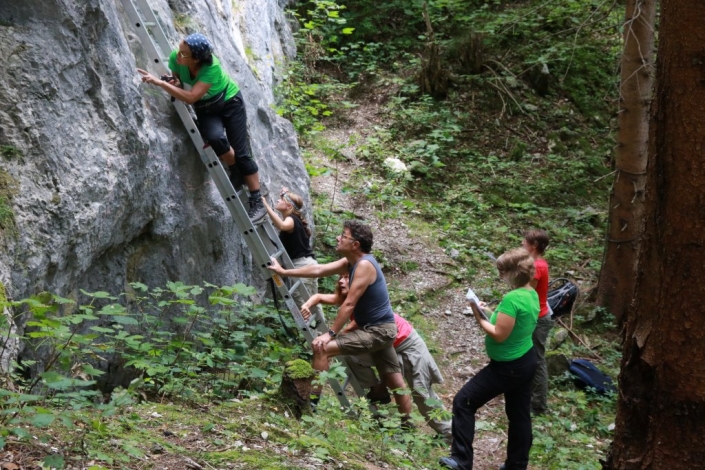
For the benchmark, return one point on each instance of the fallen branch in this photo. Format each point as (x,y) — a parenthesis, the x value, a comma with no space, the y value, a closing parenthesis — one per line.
(575,335)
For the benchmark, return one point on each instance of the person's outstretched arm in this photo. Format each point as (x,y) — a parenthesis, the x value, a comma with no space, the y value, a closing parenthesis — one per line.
(311,270)
(285,225)
(196,92)
(326,299)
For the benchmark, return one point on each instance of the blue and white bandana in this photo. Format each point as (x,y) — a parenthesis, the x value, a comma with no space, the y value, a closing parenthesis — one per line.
(201,48)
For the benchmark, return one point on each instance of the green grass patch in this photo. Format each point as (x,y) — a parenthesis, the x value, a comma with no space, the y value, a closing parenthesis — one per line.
(10,153)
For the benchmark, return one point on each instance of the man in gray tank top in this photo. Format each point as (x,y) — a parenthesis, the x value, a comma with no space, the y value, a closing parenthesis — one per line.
(368,300)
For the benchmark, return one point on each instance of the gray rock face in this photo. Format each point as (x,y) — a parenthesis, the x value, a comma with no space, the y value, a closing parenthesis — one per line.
(108,187)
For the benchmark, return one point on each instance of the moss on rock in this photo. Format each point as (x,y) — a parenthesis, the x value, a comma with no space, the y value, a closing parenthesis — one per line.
(299,369)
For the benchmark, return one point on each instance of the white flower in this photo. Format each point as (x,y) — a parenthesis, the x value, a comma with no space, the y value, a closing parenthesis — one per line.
(394,164)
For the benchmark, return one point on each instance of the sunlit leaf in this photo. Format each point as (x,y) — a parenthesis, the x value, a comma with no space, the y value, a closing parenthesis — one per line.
(98,295)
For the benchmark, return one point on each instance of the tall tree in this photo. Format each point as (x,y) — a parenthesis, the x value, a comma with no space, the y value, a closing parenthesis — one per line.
(616,285)
(661,410)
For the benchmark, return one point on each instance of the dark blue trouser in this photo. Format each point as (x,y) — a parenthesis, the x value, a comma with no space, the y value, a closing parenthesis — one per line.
(225,126)
(514,380)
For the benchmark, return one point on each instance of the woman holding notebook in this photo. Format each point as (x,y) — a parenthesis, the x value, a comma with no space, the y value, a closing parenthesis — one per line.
(509,345)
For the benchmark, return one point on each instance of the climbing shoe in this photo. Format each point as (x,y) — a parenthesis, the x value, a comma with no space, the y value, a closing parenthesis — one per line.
(256,212)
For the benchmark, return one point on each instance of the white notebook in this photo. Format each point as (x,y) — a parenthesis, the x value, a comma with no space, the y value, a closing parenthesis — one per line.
(472,297)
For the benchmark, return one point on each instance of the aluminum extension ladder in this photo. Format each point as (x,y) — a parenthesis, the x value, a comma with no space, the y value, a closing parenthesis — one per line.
(261,238)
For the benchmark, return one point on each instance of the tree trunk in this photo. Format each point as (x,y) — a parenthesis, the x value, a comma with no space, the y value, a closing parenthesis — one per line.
(661,410)
(434,77)
(296,387)
(616,285)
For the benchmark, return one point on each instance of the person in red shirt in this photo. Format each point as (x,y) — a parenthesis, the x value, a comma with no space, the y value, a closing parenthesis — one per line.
(535,242)
(418,367)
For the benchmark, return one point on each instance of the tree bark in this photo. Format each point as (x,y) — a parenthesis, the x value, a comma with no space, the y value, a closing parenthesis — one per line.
(661,409)
(616,284)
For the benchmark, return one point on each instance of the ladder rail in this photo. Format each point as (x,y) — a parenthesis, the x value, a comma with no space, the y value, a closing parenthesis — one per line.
(261,239)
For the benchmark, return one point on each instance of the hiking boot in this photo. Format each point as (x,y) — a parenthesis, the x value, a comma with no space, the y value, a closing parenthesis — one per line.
(406,424)
(256,212)
(448,462)
(378,398)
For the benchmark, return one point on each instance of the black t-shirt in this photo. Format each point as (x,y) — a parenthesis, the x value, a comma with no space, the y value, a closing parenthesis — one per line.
(296,242)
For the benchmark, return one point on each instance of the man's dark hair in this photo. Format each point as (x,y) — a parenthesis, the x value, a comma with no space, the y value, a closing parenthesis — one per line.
(361,233)
(537,238)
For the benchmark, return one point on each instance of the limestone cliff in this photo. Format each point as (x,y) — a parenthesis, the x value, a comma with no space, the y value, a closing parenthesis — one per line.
(103,182)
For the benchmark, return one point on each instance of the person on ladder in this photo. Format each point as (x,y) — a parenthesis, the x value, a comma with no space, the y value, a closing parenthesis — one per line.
(295,236)
(219,107)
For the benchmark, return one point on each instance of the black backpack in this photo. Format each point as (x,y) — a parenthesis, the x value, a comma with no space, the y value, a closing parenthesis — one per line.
(588,377)
(561,296)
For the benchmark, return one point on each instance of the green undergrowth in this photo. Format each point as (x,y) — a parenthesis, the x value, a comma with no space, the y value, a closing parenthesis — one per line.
(577,432)
(194,373)
(250,433)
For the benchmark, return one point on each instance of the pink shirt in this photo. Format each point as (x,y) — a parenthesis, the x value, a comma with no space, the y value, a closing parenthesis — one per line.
(404,329)
(541,276)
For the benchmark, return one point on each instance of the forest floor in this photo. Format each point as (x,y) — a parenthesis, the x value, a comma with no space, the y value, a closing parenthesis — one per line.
(450,329)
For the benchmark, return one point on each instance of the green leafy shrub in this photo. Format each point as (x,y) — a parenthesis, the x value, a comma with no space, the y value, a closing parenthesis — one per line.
(182,341)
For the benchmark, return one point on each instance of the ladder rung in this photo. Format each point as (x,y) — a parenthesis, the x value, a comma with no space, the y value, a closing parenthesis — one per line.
(311,321)
(294,287)
(318,318)
(149,24)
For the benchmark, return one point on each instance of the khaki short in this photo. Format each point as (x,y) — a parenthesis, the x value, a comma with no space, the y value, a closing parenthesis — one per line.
(375,340)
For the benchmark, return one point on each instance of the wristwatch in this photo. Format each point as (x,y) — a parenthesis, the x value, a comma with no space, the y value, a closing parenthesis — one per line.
(332,333)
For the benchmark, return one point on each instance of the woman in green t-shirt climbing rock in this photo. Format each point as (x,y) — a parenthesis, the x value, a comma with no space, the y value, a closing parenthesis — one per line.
(511,369)
(198,79)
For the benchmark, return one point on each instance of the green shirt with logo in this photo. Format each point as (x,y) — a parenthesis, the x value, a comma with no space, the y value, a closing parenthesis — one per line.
(523,305)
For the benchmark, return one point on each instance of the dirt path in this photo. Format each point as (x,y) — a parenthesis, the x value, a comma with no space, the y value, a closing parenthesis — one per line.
(460,346)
